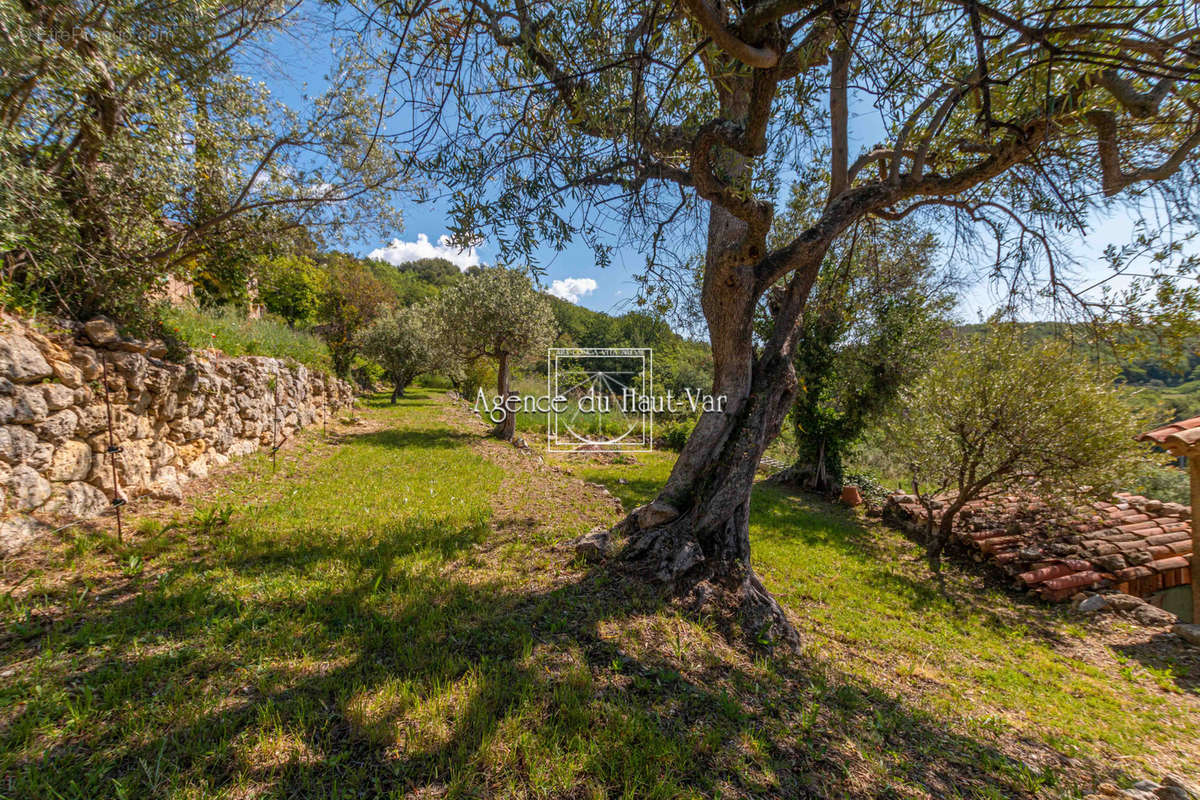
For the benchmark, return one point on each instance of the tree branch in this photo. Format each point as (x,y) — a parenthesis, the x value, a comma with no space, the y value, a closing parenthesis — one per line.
(710,20)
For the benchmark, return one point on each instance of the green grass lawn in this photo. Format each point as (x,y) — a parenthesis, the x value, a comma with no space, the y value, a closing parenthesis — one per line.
(389,614)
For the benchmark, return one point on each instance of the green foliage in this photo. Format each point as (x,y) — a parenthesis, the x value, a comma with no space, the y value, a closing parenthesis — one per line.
(352,299)
(996,414)
(414,281)
(229,330)
(1165,482)
(291,287)
(477,375)
(674,434)
(869,328)
(679,363)
(1163,371)
(134,147)
(494,313)
(401,342)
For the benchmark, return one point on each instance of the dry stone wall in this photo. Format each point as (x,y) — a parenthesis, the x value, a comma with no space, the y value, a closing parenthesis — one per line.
(172,421)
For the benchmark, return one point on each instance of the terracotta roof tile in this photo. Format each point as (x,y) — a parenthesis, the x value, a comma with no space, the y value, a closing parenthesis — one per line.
(1178,436)
(1138,544)
(1164,564)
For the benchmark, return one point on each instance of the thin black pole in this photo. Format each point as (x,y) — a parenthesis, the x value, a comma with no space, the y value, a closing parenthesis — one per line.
(117,499)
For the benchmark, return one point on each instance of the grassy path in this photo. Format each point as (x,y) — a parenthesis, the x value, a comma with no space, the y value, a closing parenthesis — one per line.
(390,615)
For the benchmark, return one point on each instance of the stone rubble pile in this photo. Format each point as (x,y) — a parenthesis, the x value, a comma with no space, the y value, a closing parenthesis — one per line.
(171,421)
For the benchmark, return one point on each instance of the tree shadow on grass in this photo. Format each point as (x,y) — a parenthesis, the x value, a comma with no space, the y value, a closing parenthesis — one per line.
(416,681)
(439,439)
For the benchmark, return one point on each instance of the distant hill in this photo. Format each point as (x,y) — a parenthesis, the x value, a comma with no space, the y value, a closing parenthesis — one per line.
(678,362)
(1160,375)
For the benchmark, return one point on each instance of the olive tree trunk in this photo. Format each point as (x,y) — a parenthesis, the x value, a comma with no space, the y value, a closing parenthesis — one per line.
(507,427)
(695,536)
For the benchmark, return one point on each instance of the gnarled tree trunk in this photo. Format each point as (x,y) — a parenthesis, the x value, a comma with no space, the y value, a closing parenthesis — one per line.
(695,536)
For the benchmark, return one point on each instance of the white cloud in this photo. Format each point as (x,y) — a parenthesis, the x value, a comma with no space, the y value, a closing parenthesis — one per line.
(399,252)
(572,289)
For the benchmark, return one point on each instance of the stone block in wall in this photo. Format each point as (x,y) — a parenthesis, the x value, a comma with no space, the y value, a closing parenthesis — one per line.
(166,485)
(92,419)
(39,459)
(160,453)
(18,532)
(83,396)
(76,500)
(185,430)
(57,396)
(132,367)
(72,461)
(21,361)
(27,489)
(87,362)
(67,374)
(101,331)
(28,405)
(17,443)
(58,427)
(241,447)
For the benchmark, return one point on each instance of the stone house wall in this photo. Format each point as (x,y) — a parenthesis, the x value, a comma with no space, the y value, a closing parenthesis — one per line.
(172,421)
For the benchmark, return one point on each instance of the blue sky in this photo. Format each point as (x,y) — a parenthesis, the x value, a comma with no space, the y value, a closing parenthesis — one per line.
(299,61)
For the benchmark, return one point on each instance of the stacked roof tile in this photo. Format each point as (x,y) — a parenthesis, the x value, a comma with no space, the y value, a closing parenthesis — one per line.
(1178,437)
(1133,544)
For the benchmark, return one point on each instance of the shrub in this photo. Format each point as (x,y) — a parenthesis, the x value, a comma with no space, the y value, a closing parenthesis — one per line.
(1162,482)
(480,375)
(230,331)
(673,435)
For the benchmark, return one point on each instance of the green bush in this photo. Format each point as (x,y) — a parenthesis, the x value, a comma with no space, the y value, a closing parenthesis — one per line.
(434,381)
(673,435)
(1166,483)
(228,330)
(480,375)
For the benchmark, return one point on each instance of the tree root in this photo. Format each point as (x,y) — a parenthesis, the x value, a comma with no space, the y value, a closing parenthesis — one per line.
(727,592)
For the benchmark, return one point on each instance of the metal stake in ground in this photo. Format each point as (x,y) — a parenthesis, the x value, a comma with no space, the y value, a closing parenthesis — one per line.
(274,420)
(113,450)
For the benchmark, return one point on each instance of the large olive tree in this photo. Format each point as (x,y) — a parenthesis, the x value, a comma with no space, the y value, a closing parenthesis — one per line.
(495,313)
(677,124)
(133,146)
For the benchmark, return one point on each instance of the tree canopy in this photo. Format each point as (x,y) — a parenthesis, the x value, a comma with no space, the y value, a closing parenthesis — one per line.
(133,146)
(401,340)
(495,313)
(997,413)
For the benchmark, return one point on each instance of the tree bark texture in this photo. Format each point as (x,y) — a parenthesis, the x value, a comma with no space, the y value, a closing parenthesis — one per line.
(695,536)
(506,428)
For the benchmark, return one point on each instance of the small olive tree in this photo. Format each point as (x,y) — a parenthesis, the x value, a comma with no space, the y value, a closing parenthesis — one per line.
(402,342)
(495,313)
(996,413)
